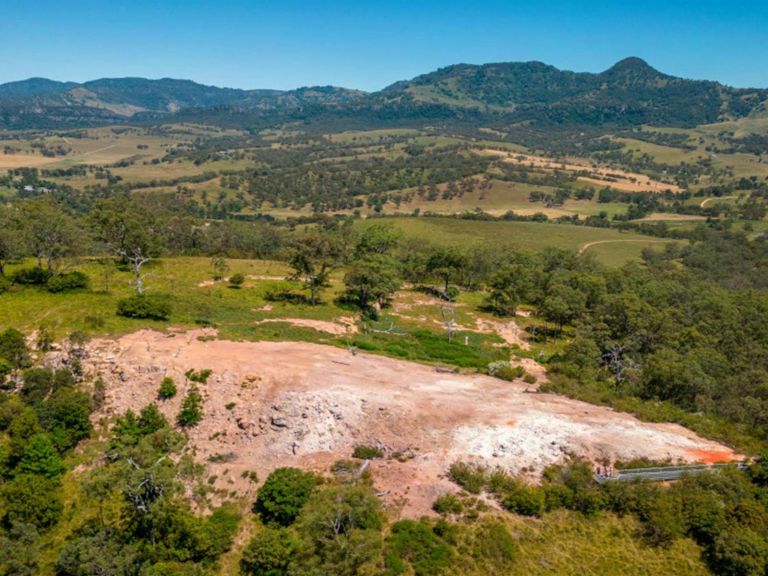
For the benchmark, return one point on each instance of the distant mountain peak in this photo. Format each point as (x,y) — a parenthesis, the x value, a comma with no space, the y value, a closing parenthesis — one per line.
(633,65)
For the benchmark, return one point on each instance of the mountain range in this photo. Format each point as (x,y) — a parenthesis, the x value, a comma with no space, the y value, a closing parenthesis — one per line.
(629,93)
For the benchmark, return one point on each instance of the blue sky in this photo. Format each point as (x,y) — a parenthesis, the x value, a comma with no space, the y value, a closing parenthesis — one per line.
(368,45)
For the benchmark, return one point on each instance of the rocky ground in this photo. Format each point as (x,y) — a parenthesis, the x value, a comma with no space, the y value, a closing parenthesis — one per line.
(270,404)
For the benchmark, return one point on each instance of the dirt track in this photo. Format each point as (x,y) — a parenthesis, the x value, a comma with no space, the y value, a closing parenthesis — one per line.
(309,405)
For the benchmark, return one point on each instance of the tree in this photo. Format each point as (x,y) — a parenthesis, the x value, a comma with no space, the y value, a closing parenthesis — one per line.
(283,495)
(13,348)
(740,552)
(313,258)
(41,457)
(372,280)
(49,233)
(269,553)
(562,305)
(508,285)
(446,263)
(220,267)
(131,230)
(377,239)
(191,409)
(416,544)
(341,533)
(11,246)
(31,499)
(66,415)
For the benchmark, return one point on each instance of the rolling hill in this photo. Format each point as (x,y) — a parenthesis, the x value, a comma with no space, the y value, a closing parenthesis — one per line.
(531,94)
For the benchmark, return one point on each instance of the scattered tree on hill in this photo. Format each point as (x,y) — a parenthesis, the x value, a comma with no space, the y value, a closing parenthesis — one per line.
(313,258)
(131,230)
(371,281)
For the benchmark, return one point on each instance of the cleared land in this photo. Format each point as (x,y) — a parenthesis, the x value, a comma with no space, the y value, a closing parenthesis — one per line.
(527,236)
(309,405)
(598,175)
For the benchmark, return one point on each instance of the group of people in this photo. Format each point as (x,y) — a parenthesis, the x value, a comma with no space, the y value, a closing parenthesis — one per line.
(607,471)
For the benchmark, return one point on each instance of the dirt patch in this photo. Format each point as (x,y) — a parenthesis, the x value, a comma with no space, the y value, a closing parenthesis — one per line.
(345,325)
(509,331)
(301,404)
(209,283)
(597,175)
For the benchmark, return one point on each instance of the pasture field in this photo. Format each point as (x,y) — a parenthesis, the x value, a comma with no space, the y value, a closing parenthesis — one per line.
(616,248)
(503,197)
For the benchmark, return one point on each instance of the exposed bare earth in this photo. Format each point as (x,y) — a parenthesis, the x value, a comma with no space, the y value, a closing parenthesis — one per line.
(308,405)
(597,175)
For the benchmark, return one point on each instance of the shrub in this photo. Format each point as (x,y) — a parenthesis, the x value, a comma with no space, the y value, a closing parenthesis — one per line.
(470,477)
(167,389)
(416,544)
(740,552)
(31,276)
(5,369)
(452,293)
(269,553)
(283,495)
(68,281)
(524,500)
(191,409)
(236,280)
(448,504)
(367,452)
(13,348)
(41,458)
(529,378)
(31,499)
(144,306)
(151,420)
(494,543)
(200,376)
(505,371)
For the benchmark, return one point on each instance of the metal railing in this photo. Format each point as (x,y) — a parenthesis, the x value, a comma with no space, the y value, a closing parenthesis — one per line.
(661,473)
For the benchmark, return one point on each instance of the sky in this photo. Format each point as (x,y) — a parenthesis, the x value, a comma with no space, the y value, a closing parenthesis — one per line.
(370,44)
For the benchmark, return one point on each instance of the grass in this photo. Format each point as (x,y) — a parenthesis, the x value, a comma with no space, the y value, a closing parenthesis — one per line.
(567,543)
(617,249)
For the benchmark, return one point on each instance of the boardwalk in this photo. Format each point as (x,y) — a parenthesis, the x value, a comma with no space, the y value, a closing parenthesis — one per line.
(664,472)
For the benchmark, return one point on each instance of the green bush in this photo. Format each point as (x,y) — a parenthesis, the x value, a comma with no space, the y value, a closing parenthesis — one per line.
(469,476)
(41,458)
(494,543)
(269,553)
(283,495)
(167,389)
(66,282)
(31,276)
(448,504)
(13,348)
(367,452)
(414,544)
(236,280)
(200,376)
(151,307)
(506,371)
(191,409)
(31,499)
(524,500)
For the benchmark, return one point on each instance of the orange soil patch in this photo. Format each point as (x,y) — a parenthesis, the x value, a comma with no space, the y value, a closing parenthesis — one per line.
(599,176)
(713,456)
(301,404)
